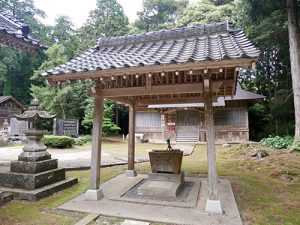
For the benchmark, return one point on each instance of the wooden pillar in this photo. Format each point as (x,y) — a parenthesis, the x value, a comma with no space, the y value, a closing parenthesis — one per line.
(95,193)
(131,142)
(213,204)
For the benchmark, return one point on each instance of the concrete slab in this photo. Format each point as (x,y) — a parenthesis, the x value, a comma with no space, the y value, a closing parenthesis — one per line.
(189,201)
(159,188)
(158,213)
(134,222)
(88,219)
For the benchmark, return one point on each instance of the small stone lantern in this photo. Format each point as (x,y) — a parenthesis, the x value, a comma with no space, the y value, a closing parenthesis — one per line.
(34,175)
(35,150)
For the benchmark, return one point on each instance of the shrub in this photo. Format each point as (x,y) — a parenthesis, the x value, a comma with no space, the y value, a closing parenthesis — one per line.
(78,141)
(295,146)
(86,138)
(53,141)
(277,142)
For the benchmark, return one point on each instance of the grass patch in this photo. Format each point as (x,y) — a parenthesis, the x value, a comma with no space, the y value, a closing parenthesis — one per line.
(263,195)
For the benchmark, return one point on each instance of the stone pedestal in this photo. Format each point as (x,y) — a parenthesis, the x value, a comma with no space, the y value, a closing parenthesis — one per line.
(34,175)
(162,185)
(166,178)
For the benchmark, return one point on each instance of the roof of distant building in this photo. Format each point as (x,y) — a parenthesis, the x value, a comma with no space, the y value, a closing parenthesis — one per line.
(6,98)
(15,33)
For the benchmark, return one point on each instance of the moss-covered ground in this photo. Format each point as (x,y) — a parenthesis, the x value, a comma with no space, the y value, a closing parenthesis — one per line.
(267,191)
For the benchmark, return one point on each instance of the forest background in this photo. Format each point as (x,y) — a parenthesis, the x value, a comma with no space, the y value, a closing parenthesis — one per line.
(264,21)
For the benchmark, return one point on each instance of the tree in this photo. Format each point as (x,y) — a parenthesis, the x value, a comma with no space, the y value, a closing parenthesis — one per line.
(67,100)
(107,20)
(262,21)
(157,14)
(108,126)
(294,42)
(64,33)
(204,12)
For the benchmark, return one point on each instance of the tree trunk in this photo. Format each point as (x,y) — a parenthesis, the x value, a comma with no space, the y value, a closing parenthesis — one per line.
(294,41)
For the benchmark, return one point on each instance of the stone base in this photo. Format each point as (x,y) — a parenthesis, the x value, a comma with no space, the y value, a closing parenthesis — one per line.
(31,181)
(33,167)
(34,156)
(166,177)
(34,195)
(213,206)
(159,188)
(130,173)
(93,195)
(5,197)
(162,185)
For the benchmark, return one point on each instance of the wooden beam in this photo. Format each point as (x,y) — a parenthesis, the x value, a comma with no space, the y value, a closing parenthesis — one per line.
(156,90)
(154,69)
(147,102)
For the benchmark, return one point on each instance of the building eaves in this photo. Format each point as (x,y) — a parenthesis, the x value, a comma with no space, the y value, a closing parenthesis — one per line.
(15,33)
(212,42)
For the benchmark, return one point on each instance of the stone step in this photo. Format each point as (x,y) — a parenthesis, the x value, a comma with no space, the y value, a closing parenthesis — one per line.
(31,181)
(5,197)
(34,195)
(33,167)
(188,140)
(187,137)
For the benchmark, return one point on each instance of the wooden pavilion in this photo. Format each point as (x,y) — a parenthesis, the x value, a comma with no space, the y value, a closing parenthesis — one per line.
(183,65)
(14,33)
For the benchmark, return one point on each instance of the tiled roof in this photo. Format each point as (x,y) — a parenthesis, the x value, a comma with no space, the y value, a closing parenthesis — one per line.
(217,41)
(240,95)
(244,95)
(12,29)
(6,98)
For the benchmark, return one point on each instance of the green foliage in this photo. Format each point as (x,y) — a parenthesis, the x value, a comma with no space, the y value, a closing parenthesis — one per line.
(258,121)
(108,126)
(65,34)
(53,141)
(56,56)
(157,14)
(66,100)
(108,19)
(204,12)
(295,146)
(79,141)
(3,72)
(277,142)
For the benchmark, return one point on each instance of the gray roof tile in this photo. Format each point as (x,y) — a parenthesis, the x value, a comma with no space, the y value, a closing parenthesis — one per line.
(217,41)
(16,29)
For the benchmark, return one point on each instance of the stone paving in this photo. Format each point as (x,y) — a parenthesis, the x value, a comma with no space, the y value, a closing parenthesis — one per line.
(147,211)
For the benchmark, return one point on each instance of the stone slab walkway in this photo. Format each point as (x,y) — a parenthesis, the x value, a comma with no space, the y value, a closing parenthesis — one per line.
(158,213)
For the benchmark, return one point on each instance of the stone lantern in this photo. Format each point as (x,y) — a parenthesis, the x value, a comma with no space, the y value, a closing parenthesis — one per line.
(34,175)
(35,150)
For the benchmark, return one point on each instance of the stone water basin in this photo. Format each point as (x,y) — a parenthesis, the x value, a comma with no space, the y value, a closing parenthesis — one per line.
(165,161)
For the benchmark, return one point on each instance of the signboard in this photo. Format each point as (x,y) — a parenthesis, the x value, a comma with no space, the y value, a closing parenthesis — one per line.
(68,127)
(162,120)
(18,127)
